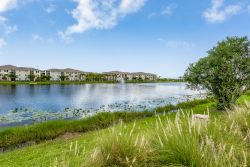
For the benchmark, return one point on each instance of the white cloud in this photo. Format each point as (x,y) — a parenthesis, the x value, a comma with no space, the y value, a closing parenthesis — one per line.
(2,43)
(6,5)
(10,29)
(36,37)
(168,10)
(50,9)
(65,37)
(218,13)
(39,38)
(99,14)
(177,44)
(130,6)
(153,14)
(7,28)
(3,19)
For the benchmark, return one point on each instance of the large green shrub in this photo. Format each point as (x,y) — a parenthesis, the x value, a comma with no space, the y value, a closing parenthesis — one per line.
(225,72)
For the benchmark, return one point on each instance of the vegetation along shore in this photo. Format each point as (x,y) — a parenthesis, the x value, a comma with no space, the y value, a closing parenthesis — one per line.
(86,82)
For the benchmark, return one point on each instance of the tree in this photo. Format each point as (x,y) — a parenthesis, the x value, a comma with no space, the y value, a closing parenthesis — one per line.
(63,78)
(12,76)
(45,78)
(31,77)
(5,77)
(225,72)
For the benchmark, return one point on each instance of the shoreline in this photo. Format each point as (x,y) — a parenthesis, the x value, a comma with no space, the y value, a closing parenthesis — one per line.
(81,82)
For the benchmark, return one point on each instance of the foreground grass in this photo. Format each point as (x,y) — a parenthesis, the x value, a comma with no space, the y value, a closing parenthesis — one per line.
(184,141)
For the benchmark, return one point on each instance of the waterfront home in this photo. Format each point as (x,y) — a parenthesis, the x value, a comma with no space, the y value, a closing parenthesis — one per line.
(144,76)
(118,75)
(67,74)
(56,74)
(12,73)
(74,75)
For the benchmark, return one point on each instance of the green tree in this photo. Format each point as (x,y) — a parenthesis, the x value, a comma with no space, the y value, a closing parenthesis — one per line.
(45,78)
(12,76)
(31,77)
(225,72)
(63,78)
(5,77)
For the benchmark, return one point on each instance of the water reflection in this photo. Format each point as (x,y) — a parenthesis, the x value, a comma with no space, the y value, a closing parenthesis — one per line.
(21,101)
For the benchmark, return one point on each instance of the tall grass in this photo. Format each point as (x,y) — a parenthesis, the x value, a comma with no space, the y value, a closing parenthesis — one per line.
(115,150)
(184,141)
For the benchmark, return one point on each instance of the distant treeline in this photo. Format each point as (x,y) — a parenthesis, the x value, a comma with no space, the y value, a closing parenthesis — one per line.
(171,80)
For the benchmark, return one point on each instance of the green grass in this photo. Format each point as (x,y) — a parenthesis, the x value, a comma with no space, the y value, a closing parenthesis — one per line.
(119,146)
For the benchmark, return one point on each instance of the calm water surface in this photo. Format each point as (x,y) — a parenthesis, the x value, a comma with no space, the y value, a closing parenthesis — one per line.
(40,102)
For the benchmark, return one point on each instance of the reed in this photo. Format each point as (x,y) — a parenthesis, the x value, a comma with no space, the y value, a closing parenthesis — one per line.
(183,141)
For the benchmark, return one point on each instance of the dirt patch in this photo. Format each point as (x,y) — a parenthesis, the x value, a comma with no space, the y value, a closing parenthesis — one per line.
(68,135)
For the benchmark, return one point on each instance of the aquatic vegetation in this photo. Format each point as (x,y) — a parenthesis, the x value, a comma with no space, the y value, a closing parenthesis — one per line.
(30,115)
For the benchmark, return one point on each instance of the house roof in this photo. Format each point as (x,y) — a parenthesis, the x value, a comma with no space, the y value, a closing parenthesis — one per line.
(65,70)
(116,72)
(133,73)
(11,67)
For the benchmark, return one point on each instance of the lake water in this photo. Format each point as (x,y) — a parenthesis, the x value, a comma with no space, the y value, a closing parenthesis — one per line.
(25,103)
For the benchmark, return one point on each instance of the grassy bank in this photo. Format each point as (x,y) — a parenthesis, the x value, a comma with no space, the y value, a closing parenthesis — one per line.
(173,139)
(11,137)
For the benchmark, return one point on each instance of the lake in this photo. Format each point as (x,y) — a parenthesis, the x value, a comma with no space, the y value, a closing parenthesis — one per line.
(28,103)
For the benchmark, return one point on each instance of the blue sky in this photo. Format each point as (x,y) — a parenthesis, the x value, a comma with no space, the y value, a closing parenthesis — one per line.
(158,36)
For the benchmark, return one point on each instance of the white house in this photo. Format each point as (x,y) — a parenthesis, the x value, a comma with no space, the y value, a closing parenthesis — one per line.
(68,74)
(118,75)
(18,73)
(56,74)
(11,73)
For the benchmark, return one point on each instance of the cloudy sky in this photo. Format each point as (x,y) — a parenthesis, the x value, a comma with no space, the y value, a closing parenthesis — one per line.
(158,36)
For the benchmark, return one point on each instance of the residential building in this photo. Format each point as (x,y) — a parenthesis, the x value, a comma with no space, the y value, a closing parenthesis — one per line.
(118,75)
(13,73)
(56,74)
(73,75)
(67,74)
(10,73)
